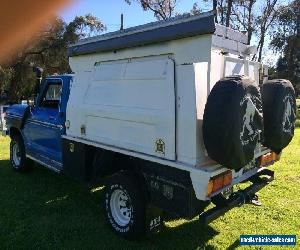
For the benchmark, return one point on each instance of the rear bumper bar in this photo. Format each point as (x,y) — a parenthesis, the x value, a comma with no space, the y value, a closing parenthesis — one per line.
(237,199)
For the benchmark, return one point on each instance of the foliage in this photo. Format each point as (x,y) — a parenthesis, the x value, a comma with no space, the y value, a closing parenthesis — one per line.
(49,52)
(243,15)
(195,9)
(83,26)
(264,22)
(162,9)
(255,17)
(286,39)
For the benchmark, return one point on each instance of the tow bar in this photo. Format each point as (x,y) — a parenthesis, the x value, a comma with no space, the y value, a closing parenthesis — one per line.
(241,197)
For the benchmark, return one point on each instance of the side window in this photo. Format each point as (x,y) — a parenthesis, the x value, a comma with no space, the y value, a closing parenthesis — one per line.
(52,96)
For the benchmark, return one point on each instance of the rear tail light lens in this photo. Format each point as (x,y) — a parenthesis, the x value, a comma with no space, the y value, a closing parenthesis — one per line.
(219,182)
(268,159)
(227,179)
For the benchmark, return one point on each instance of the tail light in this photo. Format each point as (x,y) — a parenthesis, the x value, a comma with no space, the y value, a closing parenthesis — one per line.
(268,159)
(219,182)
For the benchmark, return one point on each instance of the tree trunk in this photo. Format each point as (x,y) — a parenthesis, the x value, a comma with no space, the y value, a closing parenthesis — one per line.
(289,52)
(266,20)
(222,12)
(228,13)
(262,41)
(215,4)
(298,18)
(249,24)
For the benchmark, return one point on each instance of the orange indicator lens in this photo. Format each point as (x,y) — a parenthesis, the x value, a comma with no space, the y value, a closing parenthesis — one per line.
(268,159)
(218,182)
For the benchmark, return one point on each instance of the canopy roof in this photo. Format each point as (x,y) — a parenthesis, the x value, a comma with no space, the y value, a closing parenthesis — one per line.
(155,32)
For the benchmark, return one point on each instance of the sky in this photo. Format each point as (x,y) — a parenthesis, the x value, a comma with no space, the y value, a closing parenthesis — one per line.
(109,12)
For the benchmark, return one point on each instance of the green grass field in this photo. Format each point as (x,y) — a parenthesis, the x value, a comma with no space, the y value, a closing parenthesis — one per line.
(298,102)
(42,210)
(298,113)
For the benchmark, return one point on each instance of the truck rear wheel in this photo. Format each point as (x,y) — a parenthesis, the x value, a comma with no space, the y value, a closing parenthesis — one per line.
(124,206)
(18,158)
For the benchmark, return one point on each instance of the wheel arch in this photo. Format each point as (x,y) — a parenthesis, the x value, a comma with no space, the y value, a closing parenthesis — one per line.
(114,162)
(15,131)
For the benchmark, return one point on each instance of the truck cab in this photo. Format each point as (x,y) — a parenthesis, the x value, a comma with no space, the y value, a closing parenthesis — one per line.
(42,124)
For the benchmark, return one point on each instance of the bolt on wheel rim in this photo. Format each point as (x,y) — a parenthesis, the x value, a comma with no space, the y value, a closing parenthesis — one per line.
(16,154)
(120,207)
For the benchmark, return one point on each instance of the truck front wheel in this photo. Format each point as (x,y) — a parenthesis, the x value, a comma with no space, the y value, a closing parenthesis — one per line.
(18,158)
(124,206)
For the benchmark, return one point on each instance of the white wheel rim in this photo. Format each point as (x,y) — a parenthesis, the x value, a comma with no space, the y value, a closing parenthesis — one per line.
(16,154)
(120,207)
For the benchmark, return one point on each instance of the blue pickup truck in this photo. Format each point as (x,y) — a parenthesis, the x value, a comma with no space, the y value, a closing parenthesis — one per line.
(167,114)
(39,128)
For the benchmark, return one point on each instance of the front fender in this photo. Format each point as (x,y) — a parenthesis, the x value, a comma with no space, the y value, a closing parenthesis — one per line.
(16,116)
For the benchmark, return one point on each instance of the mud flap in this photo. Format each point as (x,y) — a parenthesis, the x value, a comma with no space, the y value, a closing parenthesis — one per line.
(153,219)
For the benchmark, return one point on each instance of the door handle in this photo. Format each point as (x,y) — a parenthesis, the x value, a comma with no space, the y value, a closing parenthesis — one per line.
(51,118)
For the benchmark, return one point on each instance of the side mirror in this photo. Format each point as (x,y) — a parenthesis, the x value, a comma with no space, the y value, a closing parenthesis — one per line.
(31,101)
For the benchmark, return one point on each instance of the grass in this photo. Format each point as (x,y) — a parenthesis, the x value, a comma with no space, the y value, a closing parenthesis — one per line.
(42,210)
(298,113)
(298,102)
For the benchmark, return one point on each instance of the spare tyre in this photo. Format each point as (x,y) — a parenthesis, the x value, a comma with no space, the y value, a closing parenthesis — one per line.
(279,111)
(232,121)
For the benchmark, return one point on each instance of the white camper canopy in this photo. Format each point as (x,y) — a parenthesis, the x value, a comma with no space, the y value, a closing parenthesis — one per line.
(142,87)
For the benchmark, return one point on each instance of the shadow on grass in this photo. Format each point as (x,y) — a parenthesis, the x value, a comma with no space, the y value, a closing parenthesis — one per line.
(234,245)
(41,209)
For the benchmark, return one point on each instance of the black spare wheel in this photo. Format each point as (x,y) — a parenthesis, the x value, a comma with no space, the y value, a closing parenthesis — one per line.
(279,111)
(124,206)
(232,121)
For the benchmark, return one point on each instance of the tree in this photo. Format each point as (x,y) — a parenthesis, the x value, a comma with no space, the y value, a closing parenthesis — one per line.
(286,39)
(21,79)
(215,5)
(83,26)
(264,22)
(162,9)
(250,27)
(49,52)
(242,17)
(195,10)
(228,13)
(221,8)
